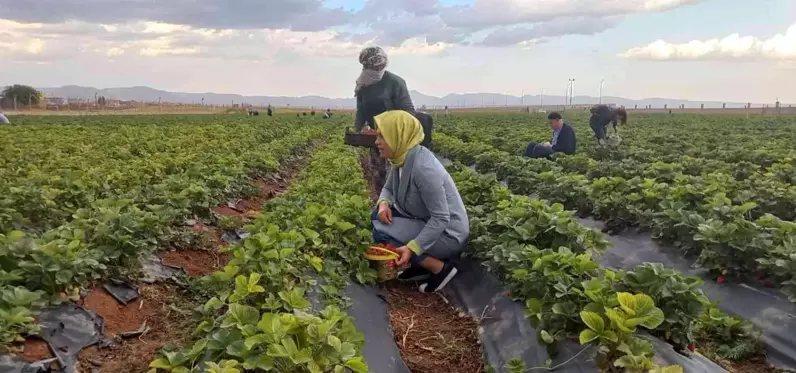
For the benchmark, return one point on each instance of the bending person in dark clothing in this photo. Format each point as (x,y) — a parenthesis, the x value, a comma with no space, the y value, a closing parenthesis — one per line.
(378,91)
(563,140)
(602,116)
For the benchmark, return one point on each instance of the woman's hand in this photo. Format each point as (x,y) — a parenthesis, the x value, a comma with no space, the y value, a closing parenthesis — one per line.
(405,254)
(385,213)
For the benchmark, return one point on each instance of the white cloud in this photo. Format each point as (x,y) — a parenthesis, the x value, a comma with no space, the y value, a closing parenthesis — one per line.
(419,47)
(486,13)
(33,46)
(777,47)
(23,41)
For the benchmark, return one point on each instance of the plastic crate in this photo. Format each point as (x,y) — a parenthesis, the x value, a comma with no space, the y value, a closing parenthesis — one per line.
(359,139)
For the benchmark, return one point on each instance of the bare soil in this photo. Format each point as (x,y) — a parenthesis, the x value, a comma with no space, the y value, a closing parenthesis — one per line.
(36,349)
(200,262)
(196,263)
(433,336)
(754,365)
(157,306)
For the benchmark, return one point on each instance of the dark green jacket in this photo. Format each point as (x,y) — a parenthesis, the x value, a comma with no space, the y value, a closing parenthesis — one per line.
(388,94)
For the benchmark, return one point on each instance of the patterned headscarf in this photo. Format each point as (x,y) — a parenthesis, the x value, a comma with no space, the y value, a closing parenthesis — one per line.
(374,62)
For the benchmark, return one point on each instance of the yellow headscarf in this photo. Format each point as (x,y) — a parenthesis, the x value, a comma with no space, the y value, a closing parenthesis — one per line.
(401,131)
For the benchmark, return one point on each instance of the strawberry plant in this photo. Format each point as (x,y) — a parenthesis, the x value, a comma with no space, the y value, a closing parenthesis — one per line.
(679,297)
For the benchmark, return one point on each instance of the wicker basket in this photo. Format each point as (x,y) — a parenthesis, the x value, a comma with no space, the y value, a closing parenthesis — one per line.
(360,139)
(384,261)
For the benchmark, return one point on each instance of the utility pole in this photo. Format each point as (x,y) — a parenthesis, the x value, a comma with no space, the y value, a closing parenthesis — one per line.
(541,99)
(571,90)
(601,90)
(522,98)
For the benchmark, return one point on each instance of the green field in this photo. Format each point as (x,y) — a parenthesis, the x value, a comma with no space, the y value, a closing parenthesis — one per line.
(84,199)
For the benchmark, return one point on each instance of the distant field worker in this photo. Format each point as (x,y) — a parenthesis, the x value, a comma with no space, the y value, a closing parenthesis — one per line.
(420,209)
(563,140)
(602,116)
(377,91)
(3,119)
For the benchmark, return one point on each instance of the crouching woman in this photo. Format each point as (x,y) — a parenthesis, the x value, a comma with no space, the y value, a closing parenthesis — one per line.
(419,209)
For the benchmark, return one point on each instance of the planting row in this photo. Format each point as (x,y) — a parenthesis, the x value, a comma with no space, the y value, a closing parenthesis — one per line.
(277,305)
(108,236)
(730,139)
(701,222)
(772,188)
(51,170)
(544,256)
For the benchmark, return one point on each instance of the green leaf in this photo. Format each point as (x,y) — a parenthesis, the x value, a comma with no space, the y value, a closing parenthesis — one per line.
(667,369)
(347,350)
(313,367)
(587,335)
(160,364)
(214,304)
(243,315)
(316,263)
(593,320)
(618,320)
(653,318)
(294,299)
(258,361)
(258,339)
(534,305)
(302,356)
(546,337)
(272,327)
(197,348)
(335,343)
(357,365)
(643,302)
(628,303)
(290,346)
(237,348)
(277,350)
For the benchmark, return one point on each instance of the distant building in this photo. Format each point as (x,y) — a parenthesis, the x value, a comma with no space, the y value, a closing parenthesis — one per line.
(54,101)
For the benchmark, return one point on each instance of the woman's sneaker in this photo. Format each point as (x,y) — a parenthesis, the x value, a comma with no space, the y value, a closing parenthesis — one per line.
(438,281)
(414,274)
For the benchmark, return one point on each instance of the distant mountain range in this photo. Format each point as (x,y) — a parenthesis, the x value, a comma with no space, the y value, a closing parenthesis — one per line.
(148,94)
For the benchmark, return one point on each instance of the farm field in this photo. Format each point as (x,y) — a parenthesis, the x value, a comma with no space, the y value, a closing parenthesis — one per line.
(242,239)
(715,193)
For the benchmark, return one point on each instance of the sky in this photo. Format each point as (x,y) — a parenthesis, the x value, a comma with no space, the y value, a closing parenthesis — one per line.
(730,50)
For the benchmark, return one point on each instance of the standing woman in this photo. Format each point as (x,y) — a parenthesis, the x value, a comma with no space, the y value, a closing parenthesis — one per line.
(377,91)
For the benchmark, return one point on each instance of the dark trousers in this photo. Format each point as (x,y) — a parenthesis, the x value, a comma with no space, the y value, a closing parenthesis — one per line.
(535,150)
